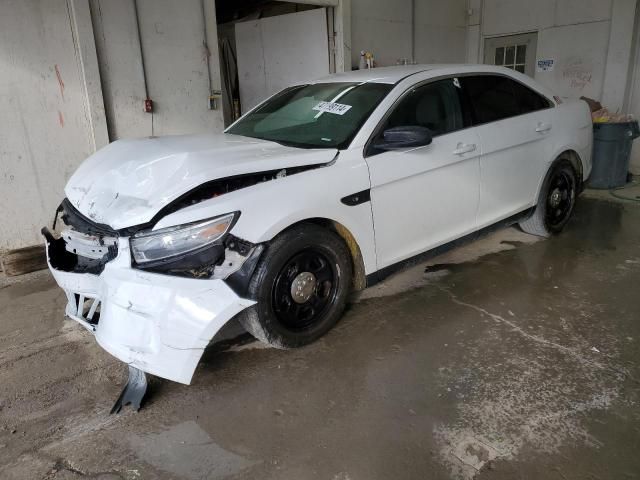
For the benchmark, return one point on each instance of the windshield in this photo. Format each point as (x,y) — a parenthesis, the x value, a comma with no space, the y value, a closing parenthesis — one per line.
(322,115)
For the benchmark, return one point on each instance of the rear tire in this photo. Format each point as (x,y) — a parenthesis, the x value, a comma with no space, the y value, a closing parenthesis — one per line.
(301,287)
(556,201)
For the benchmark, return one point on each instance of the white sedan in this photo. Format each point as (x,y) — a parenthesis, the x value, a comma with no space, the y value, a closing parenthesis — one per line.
(322,189)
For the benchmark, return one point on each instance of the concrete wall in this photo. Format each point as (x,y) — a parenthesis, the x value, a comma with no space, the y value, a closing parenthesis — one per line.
(384,28)
(55,104)
(175,60)
(116,34)
(72,79)
(63,62)
(632,99)
(589,40)
(50,115)
(440,35)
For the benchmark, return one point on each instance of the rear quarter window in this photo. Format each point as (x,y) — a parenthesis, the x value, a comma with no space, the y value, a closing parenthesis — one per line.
(494,97)
(529,100)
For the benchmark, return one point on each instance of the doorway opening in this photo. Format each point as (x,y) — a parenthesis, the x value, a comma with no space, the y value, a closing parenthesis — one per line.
(266,46)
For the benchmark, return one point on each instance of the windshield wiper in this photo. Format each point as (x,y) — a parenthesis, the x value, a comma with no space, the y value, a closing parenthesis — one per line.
(286,143)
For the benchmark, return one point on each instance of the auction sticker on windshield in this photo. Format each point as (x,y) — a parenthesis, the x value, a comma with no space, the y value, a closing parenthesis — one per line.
(331,107)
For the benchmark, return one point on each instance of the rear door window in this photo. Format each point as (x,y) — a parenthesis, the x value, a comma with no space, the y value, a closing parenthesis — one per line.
(494,97)
(529,100)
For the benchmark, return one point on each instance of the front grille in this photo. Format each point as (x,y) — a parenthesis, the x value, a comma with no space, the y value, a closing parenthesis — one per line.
(87,309)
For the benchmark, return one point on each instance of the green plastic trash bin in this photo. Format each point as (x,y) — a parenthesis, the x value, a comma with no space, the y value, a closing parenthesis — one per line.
(611,153)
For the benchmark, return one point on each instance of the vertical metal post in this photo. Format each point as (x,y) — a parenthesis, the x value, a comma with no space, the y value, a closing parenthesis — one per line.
(206,45)
(331,33)
(144,68)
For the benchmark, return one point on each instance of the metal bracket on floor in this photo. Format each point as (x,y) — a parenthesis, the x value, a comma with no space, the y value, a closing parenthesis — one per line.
(133,392)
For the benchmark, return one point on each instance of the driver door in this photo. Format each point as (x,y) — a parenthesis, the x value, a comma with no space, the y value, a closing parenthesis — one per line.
(427,196)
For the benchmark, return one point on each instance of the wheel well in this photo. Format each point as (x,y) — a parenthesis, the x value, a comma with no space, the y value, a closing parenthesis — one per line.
(357,262)
(576,162)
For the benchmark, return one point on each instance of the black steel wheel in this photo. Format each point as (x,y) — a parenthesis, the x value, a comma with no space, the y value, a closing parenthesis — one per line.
(556,201)
(561,196)
(304,288)
(301,285)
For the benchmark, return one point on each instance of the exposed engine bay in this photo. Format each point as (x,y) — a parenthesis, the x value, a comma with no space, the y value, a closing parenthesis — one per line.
(222,186)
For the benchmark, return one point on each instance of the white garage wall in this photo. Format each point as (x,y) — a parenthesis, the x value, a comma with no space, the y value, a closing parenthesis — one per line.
(176,63)
(440,31)
(384,28)
(116,35)
(48,120)
(580,63)
(371,16)
(52,108)
(632,102)
(175,58)
(589,40)
(52,113)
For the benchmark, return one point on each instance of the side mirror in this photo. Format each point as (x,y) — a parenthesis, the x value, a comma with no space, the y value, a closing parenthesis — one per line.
(400,138)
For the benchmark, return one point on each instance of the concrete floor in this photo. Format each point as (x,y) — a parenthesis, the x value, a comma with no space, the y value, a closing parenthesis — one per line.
(509,358)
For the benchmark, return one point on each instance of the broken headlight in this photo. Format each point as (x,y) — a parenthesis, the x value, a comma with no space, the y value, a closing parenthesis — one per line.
(166,243)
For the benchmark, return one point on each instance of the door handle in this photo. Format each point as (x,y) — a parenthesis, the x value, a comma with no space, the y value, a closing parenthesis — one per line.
(543,127)
(463,148)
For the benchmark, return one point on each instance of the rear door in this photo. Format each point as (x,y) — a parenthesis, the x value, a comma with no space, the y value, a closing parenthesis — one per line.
(514,124)
(424,197)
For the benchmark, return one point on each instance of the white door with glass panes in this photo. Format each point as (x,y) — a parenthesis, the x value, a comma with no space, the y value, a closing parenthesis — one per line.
(517,52)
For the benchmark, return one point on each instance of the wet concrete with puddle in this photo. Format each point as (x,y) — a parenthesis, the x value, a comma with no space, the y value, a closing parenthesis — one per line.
(511,357)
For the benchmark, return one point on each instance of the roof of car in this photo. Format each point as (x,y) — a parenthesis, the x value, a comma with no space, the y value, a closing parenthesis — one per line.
(395,74)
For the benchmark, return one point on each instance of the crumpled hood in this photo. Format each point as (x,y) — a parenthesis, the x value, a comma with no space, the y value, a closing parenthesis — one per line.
(127,182)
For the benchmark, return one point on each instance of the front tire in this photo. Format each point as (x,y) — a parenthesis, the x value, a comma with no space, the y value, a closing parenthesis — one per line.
(301,287)
(556,201)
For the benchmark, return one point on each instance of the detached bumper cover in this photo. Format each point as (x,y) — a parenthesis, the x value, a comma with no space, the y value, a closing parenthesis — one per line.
(157,323)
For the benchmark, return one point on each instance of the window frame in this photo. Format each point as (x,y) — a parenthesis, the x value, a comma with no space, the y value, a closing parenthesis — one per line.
(464,104)
(369,150)
(345,145)
(514,64)
(469,104)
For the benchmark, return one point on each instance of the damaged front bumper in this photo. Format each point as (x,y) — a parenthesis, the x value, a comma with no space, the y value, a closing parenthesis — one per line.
(155,322)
